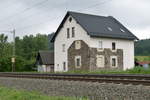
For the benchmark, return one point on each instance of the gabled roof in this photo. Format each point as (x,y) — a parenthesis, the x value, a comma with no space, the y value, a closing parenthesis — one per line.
(99,26)
(45,57)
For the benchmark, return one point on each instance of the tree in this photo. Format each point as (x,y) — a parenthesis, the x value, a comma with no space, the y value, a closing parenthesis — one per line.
(26,51)
(3,38)
(5,47)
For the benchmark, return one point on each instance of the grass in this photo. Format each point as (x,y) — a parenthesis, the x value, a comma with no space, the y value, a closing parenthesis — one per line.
(143,58)
(12,94)
(136,70)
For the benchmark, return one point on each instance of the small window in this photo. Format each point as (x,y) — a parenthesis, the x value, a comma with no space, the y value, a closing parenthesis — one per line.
(68,33)
(63,47)
(73,31)
(77,44)
(109,28)
(64,66)
(100,44)
(70,19)
(122,30)
(78,61)
(113,46)
(114,61)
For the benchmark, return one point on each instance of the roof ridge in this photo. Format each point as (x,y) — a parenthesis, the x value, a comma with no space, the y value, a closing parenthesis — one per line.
(88,14)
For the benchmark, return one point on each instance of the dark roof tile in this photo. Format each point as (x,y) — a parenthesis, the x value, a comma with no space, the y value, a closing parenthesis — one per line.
(99,26)
(47,57)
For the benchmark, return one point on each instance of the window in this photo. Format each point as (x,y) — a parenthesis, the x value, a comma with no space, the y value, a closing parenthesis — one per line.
(73,31)
(77,44)
(114,61)
(78,61)
(70,19)
(68,33)
(113,46)
(100,44)
(109,28)
(64,66)
(57,65)
(100,61)
(122,30)
(63,47)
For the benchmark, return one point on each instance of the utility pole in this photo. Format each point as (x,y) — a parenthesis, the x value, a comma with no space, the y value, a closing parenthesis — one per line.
(13,57)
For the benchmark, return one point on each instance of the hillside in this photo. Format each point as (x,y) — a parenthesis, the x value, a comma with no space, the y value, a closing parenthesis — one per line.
(142,47)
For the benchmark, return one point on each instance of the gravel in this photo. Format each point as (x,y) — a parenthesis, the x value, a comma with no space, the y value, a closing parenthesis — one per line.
(94,91)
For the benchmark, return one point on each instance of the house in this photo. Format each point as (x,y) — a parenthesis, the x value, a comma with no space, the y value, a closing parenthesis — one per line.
(45,61)
(92,42)
(144,64)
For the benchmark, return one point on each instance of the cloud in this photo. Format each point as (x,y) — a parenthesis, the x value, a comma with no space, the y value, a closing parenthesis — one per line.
(46,17)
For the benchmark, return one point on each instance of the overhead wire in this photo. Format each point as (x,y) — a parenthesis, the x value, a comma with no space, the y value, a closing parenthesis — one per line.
(94,5)
(37,24)
(23,11)
(76,10)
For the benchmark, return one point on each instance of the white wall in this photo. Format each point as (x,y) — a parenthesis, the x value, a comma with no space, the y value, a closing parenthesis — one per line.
(80,34)
(41,68)
(126,45)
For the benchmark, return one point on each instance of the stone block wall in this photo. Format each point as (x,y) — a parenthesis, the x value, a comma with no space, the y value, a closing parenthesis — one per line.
(107,53)
(83,52)
(89,57)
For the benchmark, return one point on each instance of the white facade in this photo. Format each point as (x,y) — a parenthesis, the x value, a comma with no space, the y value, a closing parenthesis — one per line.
(81,34)
(44,68)
(126,45)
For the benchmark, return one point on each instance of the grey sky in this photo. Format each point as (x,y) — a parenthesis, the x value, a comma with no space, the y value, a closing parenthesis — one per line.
(44,16)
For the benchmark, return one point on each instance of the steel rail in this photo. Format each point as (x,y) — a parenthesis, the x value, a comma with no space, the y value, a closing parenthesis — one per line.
(102,78)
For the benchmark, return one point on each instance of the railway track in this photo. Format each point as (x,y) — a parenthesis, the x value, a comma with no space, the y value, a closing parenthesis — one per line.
(102,78)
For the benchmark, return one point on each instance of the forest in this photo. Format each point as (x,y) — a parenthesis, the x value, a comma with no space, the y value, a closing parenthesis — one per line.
(26,49)
(142,47)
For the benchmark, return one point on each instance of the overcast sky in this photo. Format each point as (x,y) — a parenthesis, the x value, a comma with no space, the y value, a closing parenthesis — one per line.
(44,16)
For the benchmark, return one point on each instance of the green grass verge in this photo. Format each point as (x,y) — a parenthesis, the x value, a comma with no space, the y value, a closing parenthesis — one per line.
(143,58)
(136,70)
(12,94)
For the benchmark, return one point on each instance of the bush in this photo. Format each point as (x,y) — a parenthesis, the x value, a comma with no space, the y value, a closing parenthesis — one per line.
(20,65)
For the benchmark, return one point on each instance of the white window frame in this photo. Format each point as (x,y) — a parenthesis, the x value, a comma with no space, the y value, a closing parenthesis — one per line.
(100,46)
(114,57)
(103,61)
(78,57)
(63,47)
(77,44)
